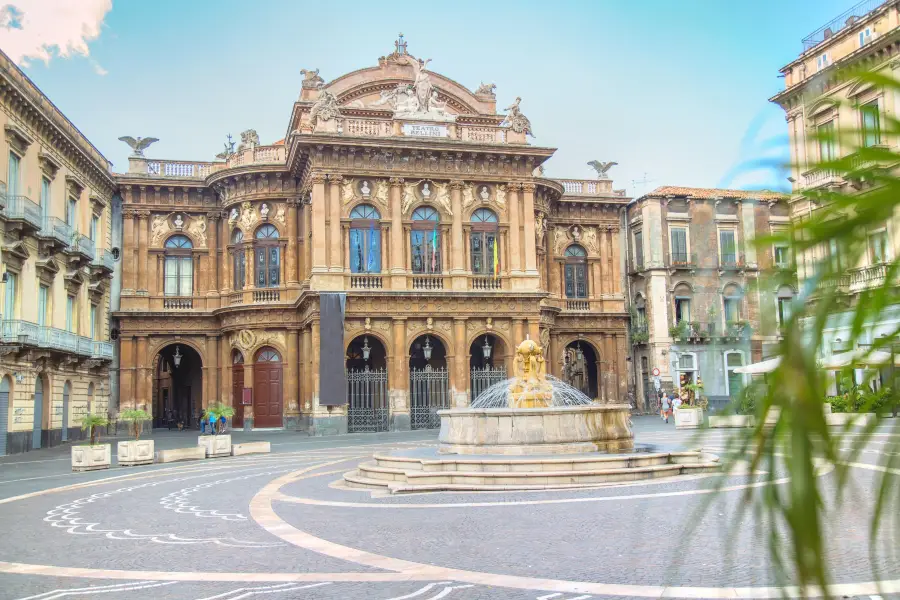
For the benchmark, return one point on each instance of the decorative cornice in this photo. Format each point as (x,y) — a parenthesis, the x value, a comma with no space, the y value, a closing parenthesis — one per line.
(397,181)
(528,187)
(317,177)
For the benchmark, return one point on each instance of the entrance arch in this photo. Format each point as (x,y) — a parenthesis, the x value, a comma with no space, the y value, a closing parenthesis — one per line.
(67,394)
(429,382)
(367,390)
(267,388)
(237,388)
(5,393)
(178,386)
(580,363)
(487,366)
(37,423)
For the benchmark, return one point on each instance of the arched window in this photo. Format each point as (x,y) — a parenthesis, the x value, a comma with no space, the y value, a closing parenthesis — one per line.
(268,355)
(239,267)
(485,249)
(365,240)
(179,266)
(640,308)
(783,304)
(731,303)
(425,241)
(576,272)
(267,252)
(683,295)
(237,358)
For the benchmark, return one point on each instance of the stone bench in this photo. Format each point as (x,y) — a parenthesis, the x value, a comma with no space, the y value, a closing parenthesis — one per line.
(178,454)
(251,448)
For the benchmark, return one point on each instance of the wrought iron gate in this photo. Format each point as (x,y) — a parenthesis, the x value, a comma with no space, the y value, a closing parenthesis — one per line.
(482,379)
(368,404)
(429,392)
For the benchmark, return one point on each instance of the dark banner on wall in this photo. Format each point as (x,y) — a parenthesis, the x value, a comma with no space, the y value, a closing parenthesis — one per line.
(332,376)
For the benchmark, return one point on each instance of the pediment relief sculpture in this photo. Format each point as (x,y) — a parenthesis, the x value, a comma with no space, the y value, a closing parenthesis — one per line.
(347,195)
(500,196)
(161,225)
(280,213)
(197,230)
(468,194)
(443,197)
(560,239)
(325,109)
(382,187)
(409,197)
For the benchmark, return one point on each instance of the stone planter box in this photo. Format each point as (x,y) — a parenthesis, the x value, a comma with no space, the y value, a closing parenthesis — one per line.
(135,452)
(179,454)
(688,418)
(858,419)
(251,448)
(731,421)
(215,445)
(91,458)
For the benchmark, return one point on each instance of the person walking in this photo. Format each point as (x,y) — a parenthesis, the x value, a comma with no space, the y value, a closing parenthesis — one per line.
(664,410)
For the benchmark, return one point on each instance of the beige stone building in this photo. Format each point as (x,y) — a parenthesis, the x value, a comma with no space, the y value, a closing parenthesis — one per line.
(821,100)
(702,302)
(412,196)
(57,265)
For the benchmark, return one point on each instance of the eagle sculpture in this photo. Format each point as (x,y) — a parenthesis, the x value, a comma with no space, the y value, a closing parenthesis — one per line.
(138,145)
(602,167)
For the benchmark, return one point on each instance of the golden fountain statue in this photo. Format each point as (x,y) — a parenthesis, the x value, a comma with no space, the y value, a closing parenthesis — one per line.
(530,388)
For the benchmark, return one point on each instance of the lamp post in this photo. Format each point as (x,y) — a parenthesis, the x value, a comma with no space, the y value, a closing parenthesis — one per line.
(176,358)
(486,349)
(366,350)
(426,349)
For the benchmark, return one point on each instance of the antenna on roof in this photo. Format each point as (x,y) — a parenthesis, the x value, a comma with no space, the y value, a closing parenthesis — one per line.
(400,45)
(640,182)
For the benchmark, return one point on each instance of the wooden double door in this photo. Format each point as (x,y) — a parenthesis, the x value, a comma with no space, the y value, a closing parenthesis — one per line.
(268,390)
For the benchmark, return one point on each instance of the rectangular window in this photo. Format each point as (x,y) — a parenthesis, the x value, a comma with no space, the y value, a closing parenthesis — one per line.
(95,228)
(70,313)
(679,245)
(71,212)
(735,380)
(576,280)
(782,257)
(825,136)
(13,174)
(732,309)
(93,321)
(727,248)
(821,61)
(45,196)
(834,256)
(638,250)
(682,310)
(871,124)
(9,299)
(865,36)
(43,298)
(642,317)
(784,310)
(878,247)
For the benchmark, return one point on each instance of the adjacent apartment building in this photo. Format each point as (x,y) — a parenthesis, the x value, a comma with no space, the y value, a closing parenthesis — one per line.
(701,301)
(820,98)
(56,270)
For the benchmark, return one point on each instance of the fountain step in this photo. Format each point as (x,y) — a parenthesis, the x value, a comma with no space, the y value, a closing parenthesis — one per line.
(395,482)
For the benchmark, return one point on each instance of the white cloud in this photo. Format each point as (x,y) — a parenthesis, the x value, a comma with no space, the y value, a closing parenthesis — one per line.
(42,29)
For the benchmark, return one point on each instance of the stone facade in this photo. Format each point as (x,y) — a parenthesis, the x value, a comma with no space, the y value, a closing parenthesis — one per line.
(692,258)
(402,189)
(55,210)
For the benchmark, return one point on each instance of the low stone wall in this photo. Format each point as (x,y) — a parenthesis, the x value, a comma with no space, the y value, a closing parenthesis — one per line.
(251,448)
(178,454)
(554,430)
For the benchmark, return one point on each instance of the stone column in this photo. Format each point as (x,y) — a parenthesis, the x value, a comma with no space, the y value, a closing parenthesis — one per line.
(334,224)
(319,259)
(225,381)
(515,246)
(314,365)
(555,355)
(460,388)
(528,234)
(292,251)
(128,248)
(398,266)
(605,258)
(533,327)
(518,333)
(621,368)
(211,375)
(127,365)
(225,270)
(248,383)
(457,258)
(213,228)
(399,380)
(143,216)
(142,395)
(616,270)
(609,367)
(303,360)
(292,377)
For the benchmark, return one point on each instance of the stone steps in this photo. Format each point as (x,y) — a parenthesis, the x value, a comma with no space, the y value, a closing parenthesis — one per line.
(395,474)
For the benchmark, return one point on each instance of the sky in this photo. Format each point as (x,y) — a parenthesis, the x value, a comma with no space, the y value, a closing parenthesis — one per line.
(675,91)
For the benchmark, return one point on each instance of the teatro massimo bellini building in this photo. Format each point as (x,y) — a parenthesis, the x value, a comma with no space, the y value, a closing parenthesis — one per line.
(409,195)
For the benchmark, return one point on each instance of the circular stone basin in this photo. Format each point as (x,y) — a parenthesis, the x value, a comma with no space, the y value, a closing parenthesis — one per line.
(552,430)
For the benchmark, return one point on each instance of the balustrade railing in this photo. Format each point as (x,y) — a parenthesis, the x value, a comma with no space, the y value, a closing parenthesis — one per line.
(260,296)
(82,244)
(581,305)
(103,350)
(21,208)
(104,259)
(427,282)
(486,283)
(367,128)
(819,177)
(178,303)
(867,277)
(17,331)
(236,298)
(85,346)
(681,260)
(366,282)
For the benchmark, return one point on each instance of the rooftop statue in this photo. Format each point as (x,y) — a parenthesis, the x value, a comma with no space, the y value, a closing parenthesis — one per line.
(249,139)
(516,120)
(311,79)
(418,100)
(602,168)
(228,151)
(138,145)
(325,108)
(486,88)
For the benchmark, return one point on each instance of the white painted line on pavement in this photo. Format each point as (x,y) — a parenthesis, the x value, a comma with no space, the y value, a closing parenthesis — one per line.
(548,596)
(91,591)
(269,589)
(449,590)
(421,591)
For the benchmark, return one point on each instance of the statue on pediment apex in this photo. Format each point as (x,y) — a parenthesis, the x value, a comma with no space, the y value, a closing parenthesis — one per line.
(486,89)
(311,79)
(515,120)
(325,108)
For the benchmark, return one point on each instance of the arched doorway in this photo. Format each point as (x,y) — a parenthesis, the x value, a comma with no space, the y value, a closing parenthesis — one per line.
(5,389)
(178,386)
(429,382)
(37,423)
(487,356)
(237,388)
(67,393)
(267,389)
(580,368)
(367,390)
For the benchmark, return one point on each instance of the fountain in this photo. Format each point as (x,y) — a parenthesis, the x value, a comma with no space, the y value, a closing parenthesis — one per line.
(530,432)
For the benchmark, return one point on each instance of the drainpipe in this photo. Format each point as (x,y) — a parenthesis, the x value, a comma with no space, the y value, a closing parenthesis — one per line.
(623,215)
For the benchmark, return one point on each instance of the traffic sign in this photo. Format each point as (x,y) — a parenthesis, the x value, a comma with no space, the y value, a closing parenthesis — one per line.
(656,383)
(656,371)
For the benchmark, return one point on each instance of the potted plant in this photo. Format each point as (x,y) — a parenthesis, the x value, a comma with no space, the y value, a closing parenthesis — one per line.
(690,414)
(93,455)
(136,451)
(681,331)
(216,442)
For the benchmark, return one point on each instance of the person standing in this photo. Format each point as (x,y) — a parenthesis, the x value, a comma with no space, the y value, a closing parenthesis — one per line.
(664,410)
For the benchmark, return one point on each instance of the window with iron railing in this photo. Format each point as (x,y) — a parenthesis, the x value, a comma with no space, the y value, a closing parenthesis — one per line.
(679,245)
(871,124)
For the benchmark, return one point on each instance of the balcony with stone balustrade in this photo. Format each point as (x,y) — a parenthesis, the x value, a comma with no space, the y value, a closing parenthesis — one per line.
(25,334)
(200,170)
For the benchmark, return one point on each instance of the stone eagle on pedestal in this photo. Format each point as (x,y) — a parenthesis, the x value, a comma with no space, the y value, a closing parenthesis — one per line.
(138,145)
(602,168)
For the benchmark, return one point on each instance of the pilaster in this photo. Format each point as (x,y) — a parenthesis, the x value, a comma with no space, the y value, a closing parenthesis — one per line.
(398,256)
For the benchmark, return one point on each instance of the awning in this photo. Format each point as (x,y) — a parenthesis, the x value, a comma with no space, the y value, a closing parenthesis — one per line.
(861,357)
(766,366)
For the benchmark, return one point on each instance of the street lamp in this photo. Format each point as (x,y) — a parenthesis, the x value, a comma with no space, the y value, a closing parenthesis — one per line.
(579,355)
(426,349)
(365,348)
(486,349)
(177,357)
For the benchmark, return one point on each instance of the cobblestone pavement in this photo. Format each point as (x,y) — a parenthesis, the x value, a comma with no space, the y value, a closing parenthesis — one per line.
(281,526)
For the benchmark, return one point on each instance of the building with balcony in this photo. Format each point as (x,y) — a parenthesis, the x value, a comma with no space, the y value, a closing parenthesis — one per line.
(832,116)
(402,207)
(701,302)
(55,198)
